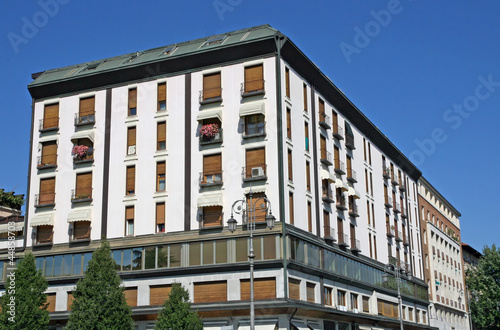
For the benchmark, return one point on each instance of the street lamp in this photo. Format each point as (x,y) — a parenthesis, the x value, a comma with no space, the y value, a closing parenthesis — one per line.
(247,210)
(397,275)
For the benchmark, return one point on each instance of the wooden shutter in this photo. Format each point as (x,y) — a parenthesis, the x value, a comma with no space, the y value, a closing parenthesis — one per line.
(84,184)
(160,213)
(290,166)
(310,292)
(161,134)
(160,175)
(44,234)
(353,236)
(70,300)
(254,78)
(47,189)
(326,219)
(387,309)
(264,288)
(51,301)
(51,116)
(81,229)
(340,229)
(131,131)
(288,123)
(305,97)
(131,296)
(212,164)
(321,107)
(336,154)
(323,147)
(130,189)
(132,99)
(287,81)
(308,176)
(211,86)
(162,94)
(290,205)
(366,304)
(255,158)
(260,214)
(349,164)
(158,294)
(335,122)
(129,213)
(294,288)
(212,216)
(87,106)
(210,292)
(49,153)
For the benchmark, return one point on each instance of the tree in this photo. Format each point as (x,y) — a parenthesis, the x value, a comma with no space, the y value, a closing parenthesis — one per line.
(26,289)
(483,282)
(99,299)
(176,312)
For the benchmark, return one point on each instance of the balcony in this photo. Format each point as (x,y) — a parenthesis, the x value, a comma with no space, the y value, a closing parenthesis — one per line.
(390,232)
(339,167)
(84,120)
(252,130)
(406,242)
(355,245)
(329,233)
(327,195)
(397,208)
(351,175)
(343,240)
(338,132)
(353,210)
(48,125)
(404,215)
(341,203)
(404,266)
(386,172)
(213,95)
(394,179)
(324,120)
(208,179)
(42,164)
(83,157)
(393,261)
(388,202)
(254,173)
(399,237)
(211,139)
(81,195)
(252,88)
(326,157)
(402,186)
(45,200)
(210,220)
(349,142)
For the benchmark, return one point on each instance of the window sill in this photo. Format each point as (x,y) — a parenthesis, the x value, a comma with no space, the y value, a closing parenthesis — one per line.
(90,123)
(45,205)
(131,157)
(218,228)
(161,113)
(47,130)
(252,136)
(128,198)
(253,93)
(131,119)
(160,194)
(82,200)
(76,241)
(43,244)
(46,167)
(161,153)
(212,100)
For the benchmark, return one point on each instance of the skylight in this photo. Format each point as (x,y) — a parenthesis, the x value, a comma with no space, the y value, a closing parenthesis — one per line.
(215,40)
(169,50)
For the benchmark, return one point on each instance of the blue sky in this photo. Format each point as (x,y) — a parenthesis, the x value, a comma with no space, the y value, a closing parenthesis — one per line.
(427,73)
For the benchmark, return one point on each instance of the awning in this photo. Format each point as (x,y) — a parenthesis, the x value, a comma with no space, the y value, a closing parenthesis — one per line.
(269,326)
(87,134)
(325,175)
(353,192)
(299,325)
(210,199)
(83,214)
(210,113)
(5,227)
(252,108)
(256,189)
(43,220)
(340,184)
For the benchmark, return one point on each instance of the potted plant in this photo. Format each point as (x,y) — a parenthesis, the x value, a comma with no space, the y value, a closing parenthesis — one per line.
(209,132)
(80,152)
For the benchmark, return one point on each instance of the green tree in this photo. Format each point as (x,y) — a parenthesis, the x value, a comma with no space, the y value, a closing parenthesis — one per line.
(176,312)
(27,287)
(483,282)
(99,299)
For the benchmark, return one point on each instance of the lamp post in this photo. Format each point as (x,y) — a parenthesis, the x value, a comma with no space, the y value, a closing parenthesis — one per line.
(397,275)
(247,210)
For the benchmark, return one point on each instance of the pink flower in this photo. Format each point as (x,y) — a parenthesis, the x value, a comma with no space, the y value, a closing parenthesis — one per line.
(209,131)
(80,151)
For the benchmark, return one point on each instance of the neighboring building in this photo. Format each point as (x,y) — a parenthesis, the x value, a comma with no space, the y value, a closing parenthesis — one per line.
(124,148)
(470,255)
(11,225)
(444,271)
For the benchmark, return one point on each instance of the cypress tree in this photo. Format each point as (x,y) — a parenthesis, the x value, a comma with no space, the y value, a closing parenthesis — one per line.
(176,312)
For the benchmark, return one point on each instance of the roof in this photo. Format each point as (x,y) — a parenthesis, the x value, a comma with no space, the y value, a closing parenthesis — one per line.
(466,247)
(441,197)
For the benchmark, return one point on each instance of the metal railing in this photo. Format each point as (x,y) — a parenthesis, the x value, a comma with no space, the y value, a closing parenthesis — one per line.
(41,164)
(353,209)
(339,167)
(388,201)
(397,208)
(351,175)
(326,157)
(255,172)
(84,120)
(327,194)
(254,129)
(386,172)
(343,239)
(45,199)
(324,120)
(210,95)
(210,178)
(329,232)
(88,157)
(44,126)
(338,132)
(81,195)
(355,244)
(349,142)
(253,87)
(217,138)
(394,179)
(390,232)
(399,236)
(340,202)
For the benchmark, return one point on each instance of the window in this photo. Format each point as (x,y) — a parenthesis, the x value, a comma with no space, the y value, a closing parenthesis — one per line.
(47,192)
(132,102)
(129,221)
(160,217)
(50,117)
(86,113)
(290,166)
(131,133)
(83,189)
(371,184)
(212,216)
(130,185)
(369,153)
(350,171)
(162,97)
(335,124)
(354,301)
(44,234)
(287,82)
(305,97)
(161,136)
(364,150)
(368,211)
(260,214)
(254,125)
(328,296)
(308,176)
(81,230)
(158,293)
(340,230)
(255,163)
(370,242)
(353,236)
(321,108)
(366,304)
(310,292)
(306,134)
(290,202)
(254,79)
(210,292)
(212,169)
(373,215)
(375,245)
(49,154)
(264,288)
(341,298)
(212,90)
(160,176)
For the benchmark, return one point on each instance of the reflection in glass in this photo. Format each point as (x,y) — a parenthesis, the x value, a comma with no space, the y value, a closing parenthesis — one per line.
(221,251)
(269,247)
(208,252)
(48,266)
(194,253)
(162,256)
(117,257)
(86,259)
(175,255)
(66,264)
(77,264)
(127,259)
(150,258)
(137,259)
(241,249)
(57,265)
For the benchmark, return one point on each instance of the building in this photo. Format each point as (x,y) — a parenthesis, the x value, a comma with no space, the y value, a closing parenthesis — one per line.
(11,223)
(470,256)
(444,272)
(151,150)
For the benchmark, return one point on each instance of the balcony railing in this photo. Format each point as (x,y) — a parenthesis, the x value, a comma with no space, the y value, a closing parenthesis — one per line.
(254,87)
(45,200)
(402,185)
(397,208)
(87,158)
(210,178)
(327,194)
(338,132)
(341,203)
(404,215)
(81,195)
(388,202)
(324,120)
(353,210)
(394,179)
(393,261)
(390,232)
(329,233)
(43,164)
(339,167)
(355,245)
(399,237)
(343,240)
(406,242)
(351,175)
(217,138)
(210,95)
(254,130)
(84,120)
(349,142)
(48,125)
(255,172)
(211,215)
(386,172)
(326,157)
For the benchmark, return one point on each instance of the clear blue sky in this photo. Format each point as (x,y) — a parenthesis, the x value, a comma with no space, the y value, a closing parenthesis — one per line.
(415,68)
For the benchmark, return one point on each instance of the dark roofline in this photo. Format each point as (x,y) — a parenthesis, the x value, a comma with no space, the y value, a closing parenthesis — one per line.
(471,250)
(441,197)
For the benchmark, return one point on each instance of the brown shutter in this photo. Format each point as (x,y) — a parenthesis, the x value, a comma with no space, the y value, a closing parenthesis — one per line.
(290,205)
(51,116)
(160,174)
(255,158)
(305,97)
(264,288)
(310,292)
(287,81)
(290,166)
(349,169)
(323,147)
(132,99)
(131,296)
(51,301)
(326,219)
(211,86)
(160,213)
(81,229)
(49,153)
(336,154)
(129,213)
(44,234)
(212,216)
(70,300)
(161,132)
(158,294)
(294,288)
(87,106)
(288,123)
(130,189)
(162,94)
(47,189)
(131,136)
(321,107)
(260,214)
(210,292)
(160,168)
(335,122)
(308,176)
(254,78)
(84,184)
(212,164)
